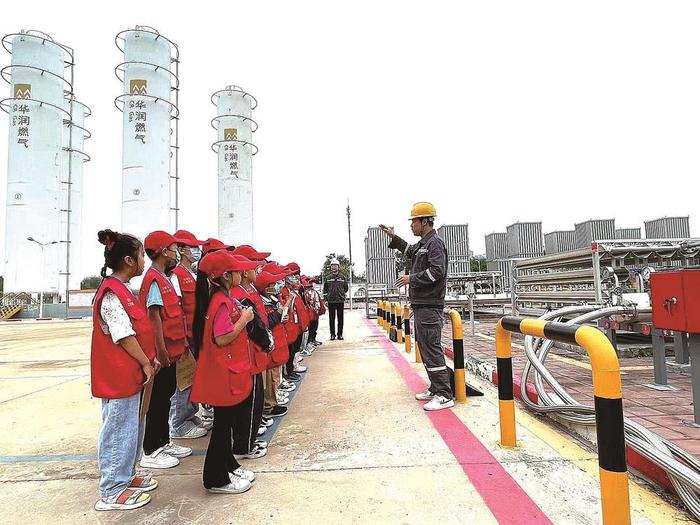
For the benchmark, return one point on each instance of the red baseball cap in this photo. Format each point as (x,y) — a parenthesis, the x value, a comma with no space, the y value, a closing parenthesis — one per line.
(251,253)
(251,265)
(158,240)
(219,262)
(187,238)
(273,267)
(265,279)
(293,267)
(212,244)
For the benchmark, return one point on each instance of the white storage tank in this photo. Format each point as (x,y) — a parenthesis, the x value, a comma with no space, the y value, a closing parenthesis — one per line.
(149,80)
(235,149)
(37,115)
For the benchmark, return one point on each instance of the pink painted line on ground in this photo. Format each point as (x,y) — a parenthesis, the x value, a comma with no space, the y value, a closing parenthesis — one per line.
(506,500)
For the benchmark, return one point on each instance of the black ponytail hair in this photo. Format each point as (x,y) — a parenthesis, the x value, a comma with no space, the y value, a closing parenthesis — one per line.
(202,297)
(117,246)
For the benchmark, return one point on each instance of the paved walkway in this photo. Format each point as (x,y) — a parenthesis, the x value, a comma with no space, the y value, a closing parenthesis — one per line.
(355,447)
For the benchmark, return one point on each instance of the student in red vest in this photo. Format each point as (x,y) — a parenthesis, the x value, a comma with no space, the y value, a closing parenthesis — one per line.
(275,399)
(222,377)
(184,421)
(162,301)
(298,319)
(244,445)
(122,362)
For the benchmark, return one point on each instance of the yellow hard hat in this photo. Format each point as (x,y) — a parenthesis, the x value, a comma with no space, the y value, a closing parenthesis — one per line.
(423,209)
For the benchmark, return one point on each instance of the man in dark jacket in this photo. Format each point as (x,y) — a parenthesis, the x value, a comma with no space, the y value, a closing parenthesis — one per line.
(427,284)
(334,290)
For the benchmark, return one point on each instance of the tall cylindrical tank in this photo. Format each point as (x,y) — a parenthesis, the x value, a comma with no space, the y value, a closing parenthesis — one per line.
(235,149)
(35,108)
(456,238)
(148,111)
(525,239)
(594,230)
(668,228)
(496,245)
(73,158)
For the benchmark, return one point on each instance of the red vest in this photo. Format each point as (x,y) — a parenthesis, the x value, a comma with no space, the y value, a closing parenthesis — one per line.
(303,313)
(187,286)
(222,377)
(174,330)
(261,360)
(114,373)
(280,355)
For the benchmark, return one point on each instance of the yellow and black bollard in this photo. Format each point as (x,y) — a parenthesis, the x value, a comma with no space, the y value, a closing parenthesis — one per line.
(607,395)
(392,322)
(458,356)
(407,328)
(399,323)
(379,313)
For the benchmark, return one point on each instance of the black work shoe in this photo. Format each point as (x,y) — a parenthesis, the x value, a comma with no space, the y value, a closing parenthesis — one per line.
(332,338)
(340,338)
(278,411)
(293,376)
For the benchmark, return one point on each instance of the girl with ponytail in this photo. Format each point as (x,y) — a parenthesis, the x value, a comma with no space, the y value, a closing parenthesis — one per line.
(122,363)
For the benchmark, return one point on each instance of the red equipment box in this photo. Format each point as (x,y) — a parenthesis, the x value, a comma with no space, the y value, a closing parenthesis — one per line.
(675,300)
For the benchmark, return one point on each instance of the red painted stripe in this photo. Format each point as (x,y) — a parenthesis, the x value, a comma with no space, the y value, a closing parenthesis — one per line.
(506,500)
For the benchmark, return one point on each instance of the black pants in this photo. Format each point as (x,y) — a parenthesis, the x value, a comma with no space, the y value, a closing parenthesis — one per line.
(313,328)
(333,309)
(428,327)
(219,460)
(157,433)
(247,417)
(294,349)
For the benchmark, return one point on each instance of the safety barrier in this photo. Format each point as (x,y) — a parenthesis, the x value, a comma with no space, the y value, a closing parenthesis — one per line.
(607,391)
(392,322)
(458,356)
(407,329)
(380,314)
(399,322)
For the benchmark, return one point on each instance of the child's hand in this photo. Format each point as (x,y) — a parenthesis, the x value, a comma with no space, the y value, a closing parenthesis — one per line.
(149,372)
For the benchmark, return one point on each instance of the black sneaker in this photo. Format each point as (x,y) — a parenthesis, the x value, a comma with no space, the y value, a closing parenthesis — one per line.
(293,376)
(278,411)
(332,338)
(340,338)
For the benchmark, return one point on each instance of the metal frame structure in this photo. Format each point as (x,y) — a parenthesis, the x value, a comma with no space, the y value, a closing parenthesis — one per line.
(120,100)
(215,121)
(67,121)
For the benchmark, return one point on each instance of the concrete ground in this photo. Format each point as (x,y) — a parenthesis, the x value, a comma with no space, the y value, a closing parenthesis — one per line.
(355,447)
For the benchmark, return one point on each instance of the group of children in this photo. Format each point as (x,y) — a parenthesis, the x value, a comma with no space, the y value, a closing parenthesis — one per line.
(212,342)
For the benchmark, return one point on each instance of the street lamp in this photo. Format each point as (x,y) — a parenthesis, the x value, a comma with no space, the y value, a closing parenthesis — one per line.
(41,291)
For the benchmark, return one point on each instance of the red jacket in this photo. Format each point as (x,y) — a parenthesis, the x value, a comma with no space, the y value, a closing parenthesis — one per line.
(174,330)
(222,377)
(261,360)
(188,286)
(114,374)
(280,355)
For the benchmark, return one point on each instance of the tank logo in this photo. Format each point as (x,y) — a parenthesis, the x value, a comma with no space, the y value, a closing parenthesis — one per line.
(23,91)
(137,87)
(230,134)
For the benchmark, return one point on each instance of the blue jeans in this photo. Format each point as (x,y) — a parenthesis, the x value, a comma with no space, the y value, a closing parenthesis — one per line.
(182,412)
(119,443)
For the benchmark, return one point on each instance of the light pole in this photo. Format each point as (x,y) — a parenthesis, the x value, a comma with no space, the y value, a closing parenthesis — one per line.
(350,253)
(41,291)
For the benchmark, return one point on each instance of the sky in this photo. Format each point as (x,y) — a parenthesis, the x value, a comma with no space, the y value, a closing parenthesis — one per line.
(496,112)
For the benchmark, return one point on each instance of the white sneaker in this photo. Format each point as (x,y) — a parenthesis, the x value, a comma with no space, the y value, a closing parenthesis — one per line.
(177,451)
(260,443)
(207,424)
(287,388)
(262,430)
(300,368)
(237,486)
(267,422)
(283,402)
(194,433)
(159,459)
(438,403)
(256,453)
(426,394)
(240,472)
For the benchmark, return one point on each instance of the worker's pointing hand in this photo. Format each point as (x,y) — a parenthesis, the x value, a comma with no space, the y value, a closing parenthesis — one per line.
(387,229)
(403,280)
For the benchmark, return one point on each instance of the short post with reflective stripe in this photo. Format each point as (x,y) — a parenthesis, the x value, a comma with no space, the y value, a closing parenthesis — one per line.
(419,358)
(392,330)
(387,320)
(407,328)
(379,313)
(458,356)
(399,323)
(506,405)
(607,395)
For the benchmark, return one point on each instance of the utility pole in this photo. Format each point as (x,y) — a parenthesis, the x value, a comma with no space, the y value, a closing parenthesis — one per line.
(350,253)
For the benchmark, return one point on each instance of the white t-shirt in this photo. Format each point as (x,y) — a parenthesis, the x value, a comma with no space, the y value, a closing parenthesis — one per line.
(114,319)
